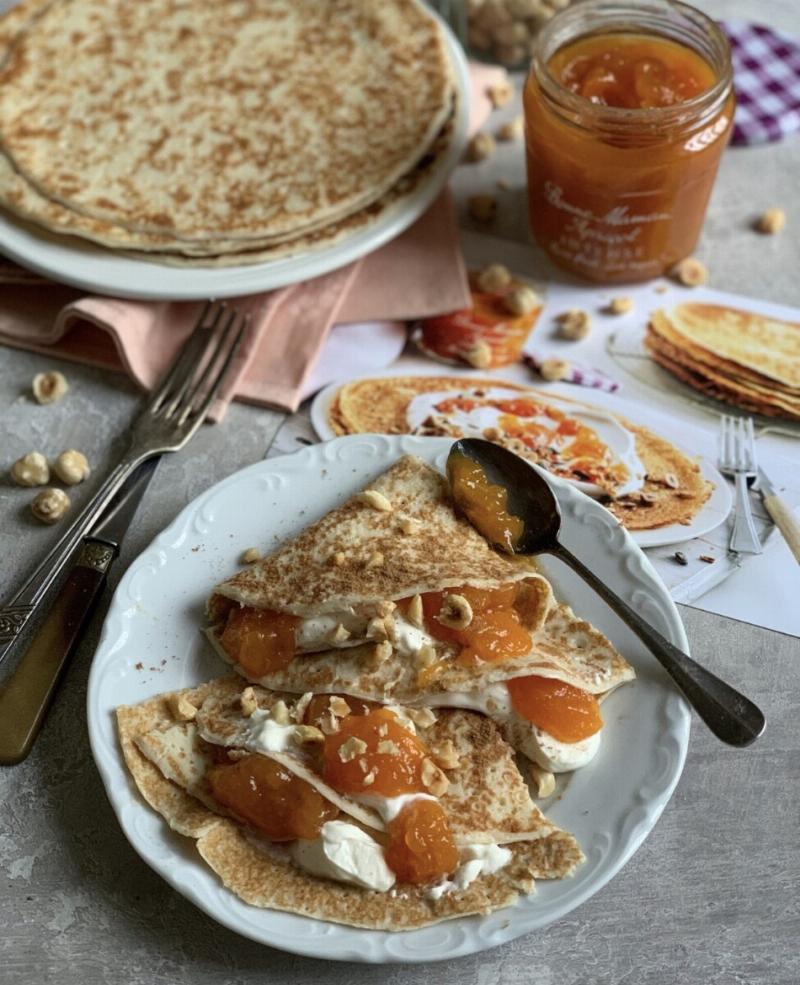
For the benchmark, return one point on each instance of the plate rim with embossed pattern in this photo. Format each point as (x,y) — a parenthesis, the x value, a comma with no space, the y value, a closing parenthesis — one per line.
(151,643)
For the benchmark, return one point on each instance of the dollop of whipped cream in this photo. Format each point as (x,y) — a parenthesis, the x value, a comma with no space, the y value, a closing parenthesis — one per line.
(345,853)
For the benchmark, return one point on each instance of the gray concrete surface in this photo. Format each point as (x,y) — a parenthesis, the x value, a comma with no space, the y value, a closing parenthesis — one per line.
(711,898)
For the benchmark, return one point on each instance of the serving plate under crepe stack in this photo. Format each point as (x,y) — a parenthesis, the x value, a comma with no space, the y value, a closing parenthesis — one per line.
(151,643)
(221,156)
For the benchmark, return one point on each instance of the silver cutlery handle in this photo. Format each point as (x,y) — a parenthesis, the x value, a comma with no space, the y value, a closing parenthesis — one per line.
(15,614)
(744,536)
(731,716)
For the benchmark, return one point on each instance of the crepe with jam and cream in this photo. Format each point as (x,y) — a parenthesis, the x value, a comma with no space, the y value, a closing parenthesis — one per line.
(368,816)
(393,597)
(641,477)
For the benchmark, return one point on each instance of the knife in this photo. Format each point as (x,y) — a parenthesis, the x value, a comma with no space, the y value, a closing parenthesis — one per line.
(784,519)
(26,696)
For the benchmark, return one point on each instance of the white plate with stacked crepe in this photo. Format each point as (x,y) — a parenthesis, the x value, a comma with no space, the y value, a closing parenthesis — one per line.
(218,162)
(151,644)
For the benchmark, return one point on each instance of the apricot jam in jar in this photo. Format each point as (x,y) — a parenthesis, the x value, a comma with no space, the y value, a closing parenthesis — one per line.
(628,107)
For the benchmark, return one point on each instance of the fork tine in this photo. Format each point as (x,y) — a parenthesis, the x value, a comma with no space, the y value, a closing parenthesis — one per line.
(237,333)
(183,366)
(216,344)
(751,446)
(727,451)
(204,351)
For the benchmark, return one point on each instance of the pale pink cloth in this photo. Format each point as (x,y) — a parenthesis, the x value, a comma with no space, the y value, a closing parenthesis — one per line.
(418,274)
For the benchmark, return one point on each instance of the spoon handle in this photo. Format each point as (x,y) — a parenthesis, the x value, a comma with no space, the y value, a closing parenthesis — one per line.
(731,716)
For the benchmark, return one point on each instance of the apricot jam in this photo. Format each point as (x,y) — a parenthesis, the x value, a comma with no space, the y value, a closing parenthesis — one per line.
(392,756)
(421,848)
(565,712)
(270,799)
(483,503)
(318,708)
(259,640)
(495,631)
(627,114)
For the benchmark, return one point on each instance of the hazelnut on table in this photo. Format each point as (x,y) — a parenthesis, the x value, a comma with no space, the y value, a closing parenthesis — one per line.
(50,505)
(620,306)
(480,147)
(553,370)
(512,130)
(521,300)
(482,208)
(500,94)
(31,470)
(772,221)
(49,387)
(493,278)
(72,467)
(575,324)
(690,272)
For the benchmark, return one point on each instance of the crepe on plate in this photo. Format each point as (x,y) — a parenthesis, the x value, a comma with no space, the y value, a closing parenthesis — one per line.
(670,488)
(194,754)
(393,597)
(174,175)
(737,356)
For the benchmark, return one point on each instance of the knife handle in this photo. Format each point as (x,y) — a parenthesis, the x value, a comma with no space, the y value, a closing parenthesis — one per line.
(26,696)
(786,522)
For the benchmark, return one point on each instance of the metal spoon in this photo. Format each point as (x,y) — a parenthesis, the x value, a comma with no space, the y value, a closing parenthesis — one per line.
(730,716)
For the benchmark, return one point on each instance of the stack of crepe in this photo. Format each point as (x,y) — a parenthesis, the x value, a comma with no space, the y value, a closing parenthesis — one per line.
(741,357)
(199,134)
(353,590)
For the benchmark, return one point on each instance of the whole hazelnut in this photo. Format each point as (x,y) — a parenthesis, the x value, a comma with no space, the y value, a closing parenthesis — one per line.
(521,300)
(50,505)
(31,470)
(554,369)
(71,467)
(49,387)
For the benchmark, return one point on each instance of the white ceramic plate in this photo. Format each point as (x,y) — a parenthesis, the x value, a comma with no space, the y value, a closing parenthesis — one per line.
(82,264)
(713,512)
(151,643)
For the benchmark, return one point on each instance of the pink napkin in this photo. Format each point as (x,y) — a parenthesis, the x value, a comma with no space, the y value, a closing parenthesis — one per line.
(418,274)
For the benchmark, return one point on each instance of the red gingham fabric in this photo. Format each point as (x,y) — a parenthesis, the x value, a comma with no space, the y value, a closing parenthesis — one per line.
(766,76)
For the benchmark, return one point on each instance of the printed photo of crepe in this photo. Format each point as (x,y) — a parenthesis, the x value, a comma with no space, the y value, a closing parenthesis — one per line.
(367,774)
(205,162)
(640,476)
(739,357)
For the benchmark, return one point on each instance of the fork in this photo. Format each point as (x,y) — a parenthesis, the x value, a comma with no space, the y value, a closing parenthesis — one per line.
(737,458)
(170,418)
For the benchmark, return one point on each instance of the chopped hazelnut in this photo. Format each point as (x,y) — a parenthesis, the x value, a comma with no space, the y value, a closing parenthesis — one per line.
(416,615)
(376,500)
(351,748)
(382,652)
(338,706)
(482,208)
(425,656)
(445,755)
(620,306)
(554,369)
(250,556)
(690,272)
(433,779)
(456,612)
(339,635)
(279,712)
(771,222)
(478,355)
(300,706)
(375,560)
(247,702)
(308,733)
(72,467)
(575,324)
(369,779)
(385,608)
(50,505)
(181,709)
(336,560)
(493,278)
(31,470)
(542,779)
(511,130)
(521,300)
(49,387)
(408,525)
(388,748)
(421,717)
(500,94)
(376,629)
(480,147)
(503,184)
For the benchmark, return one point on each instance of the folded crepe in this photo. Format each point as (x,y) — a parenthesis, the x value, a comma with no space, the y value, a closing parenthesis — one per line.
(393,597)
(178,746)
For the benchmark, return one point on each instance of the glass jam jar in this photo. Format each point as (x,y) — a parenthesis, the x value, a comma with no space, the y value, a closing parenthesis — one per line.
(628,107)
